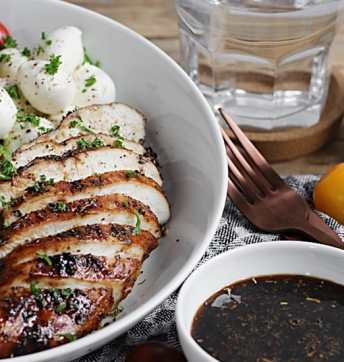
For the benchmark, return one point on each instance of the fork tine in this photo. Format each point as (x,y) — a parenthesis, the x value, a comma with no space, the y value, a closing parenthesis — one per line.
(236,196)
(245,185)
(263,166)
(251,176)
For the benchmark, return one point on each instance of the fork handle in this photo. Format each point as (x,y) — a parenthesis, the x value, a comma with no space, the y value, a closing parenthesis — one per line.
(315,234)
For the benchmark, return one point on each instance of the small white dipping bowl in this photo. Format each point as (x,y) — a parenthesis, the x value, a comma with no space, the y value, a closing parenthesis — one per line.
(280,257)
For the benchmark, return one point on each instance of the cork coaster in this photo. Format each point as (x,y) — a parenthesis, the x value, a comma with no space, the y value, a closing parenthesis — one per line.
(288,144)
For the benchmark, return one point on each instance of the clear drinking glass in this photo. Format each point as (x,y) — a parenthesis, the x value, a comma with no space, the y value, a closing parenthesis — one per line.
(265,62)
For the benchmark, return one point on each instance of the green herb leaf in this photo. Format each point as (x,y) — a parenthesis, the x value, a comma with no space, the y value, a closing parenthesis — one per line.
(90,81)
(7,169)
(26,52)
(67,292)
(60,308)
(138,223)
(28,118)
(35,291)
(130,174)
(8,42)
(88,60)
(70,337)
(45,257)
(53,67)
(5,58)
(12,90)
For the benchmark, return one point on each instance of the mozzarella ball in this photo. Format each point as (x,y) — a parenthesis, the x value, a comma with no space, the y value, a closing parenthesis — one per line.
(8,111)
(24,132)
(21,103)
(8,68)
(47,93)
(66,42)
(102,91)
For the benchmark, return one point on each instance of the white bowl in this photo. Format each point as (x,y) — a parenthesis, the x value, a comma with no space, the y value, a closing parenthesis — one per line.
(181,129)
(280,257)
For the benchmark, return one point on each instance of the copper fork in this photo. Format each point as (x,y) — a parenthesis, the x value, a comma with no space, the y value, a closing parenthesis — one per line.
(264,198)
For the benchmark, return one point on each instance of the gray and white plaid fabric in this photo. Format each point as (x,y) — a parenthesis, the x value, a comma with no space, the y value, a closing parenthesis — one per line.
(234,230)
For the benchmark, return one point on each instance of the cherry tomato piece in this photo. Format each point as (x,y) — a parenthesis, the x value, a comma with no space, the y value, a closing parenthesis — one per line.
(3,32)
(155,352)
(328,195)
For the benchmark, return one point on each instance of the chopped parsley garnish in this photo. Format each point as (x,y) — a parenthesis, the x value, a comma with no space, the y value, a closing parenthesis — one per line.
(118,310)
(13,92)
(44,180)
(45,257)
(70,337)
(115,130)
(61,206)
(75,124)
(3,201)
(35,291)
(97,142)
(7,223)
(40,50)
(90,81)
(130,174)
(45,37)
(53,67)
(7,169)
(8,42)
(88,60)
(28,118)
(5,57)
(60,308)
(26,52)
(67,292)
(125,203)
(118,143)
(138,223)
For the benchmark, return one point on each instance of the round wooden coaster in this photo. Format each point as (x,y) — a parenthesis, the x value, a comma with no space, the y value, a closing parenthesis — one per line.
(288,144)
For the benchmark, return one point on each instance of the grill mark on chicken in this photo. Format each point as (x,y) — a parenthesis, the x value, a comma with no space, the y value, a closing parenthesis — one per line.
(106,209)
(137,186)
(30,324)
(99,119)
(75,165)
(53,148)
(101,271)
(97,239)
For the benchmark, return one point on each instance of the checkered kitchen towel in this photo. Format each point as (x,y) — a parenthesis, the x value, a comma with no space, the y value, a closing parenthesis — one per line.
(234,230)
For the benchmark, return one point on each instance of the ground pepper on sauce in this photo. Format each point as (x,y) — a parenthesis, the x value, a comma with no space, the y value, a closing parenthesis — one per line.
(273,318)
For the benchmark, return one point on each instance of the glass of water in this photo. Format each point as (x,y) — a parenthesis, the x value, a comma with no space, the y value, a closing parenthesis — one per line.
(264,61)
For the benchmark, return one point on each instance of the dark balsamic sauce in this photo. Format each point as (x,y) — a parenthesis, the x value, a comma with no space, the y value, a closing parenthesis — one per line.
(273,318)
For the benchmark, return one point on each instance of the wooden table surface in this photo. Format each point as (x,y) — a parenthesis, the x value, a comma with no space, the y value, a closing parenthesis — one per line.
(157,21)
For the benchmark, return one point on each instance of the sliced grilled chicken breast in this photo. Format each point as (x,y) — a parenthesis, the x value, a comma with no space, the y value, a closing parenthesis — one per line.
(98,119)
(96,239)
(62,286)
(137,186)
(32,323)
(56,218)
(76,165)
(53,148)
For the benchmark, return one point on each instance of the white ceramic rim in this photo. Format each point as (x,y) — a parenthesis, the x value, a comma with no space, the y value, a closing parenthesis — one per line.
(295,246)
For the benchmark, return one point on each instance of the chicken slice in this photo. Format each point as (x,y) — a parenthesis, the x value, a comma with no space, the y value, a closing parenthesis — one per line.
(32,323)
(96,239)
(98,119)
(76,165)
(53,148)
(60,217)
(137,186)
